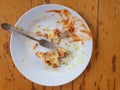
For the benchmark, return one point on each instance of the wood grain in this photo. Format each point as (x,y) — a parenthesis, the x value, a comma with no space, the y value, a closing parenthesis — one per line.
(109,43)
(103,18)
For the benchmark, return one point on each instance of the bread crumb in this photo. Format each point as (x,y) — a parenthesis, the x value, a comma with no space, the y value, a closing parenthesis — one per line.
(35,45)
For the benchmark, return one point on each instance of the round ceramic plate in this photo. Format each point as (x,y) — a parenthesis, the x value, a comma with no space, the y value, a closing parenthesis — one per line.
(46,18)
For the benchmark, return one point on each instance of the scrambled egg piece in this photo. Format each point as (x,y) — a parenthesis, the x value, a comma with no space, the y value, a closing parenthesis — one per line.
(54,36)
(53,58)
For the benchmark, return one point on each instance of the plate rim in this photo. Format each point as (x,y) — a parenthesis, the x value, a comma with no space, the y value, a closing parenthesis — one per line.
(21,19)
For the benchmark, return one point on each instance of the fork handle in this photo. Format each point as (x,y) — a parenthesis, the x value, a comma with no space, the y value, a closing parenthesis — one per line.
(13,29)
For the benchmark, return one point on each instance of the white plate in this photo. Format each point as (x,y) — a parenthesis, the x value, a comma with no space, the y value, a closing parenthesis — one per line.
(33,68)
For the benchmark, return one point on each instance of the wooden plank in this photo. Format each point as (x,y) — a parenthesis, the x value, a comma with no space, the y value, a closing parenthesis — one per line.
(48,88)
(10,77)
(34,3)
(109,43)
(57,88)
(68,86)
(36,87)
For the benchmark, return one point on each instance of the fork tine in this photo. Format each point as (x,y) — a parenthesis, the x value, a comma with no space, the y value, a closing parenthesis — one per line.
(50,46)
(47,44)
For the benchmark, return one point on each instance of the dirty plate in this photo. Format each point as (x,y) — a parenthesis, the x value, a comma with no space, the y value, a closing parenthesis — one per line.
(39,19)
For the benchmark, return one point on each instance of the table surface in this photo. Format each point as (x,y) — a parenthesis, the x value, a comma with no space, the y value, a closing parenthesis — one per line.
(103,71)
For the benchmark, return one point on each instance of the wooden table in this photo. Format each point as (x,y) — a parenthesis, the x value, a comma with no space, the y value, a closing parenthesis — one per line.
(103,71)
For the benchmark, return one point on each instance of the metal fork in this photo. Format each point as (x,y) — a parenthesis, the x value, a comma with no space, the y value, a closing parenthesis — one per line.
(42,42)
